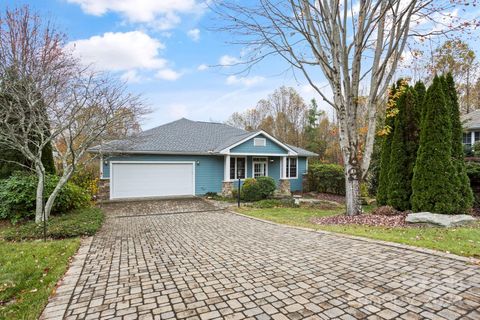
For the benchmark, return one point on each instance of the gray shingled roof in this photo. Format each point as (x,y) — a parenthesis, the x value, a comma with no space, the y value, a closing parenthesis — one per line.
(183,136)
(471,120)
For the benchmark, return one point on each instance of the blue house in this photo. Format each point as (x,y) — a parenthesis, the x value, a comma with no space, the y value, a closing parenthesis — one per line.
(185,158)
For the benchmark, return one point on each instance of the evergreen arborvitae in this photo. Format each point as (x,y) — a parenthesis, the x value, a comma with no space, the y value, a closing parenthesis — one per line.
(465,196)
(403,143)
(420,91)
(383,182)
(433,185)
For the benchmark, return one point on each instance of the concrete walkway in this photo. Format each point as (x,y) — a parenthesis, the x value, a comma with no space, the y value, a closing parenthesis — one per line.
(183,259)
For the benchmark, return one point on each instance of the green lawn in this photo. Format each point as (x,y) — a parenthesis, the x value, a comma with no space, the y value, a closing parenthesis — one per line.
(28,274)
(463,241)
(30,269)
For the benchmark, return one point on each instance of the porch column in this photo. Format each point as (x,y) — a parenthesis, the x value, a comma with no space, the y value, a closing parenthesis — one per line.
(473,138)
(283,168)
(226,168)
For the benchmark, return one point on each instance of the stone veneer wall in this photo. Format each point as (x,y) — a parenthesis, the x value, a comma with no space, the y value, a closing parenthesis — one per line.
(284,186)
(103,189)
(227,188)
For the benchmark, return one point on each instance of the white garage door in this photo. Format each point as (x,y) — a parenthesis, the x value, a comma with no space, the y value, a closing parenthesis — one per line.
(151,179)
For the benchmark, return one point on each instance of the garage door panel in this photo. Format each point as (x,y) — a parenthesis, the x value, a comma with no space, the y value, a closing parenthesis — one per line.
(134,180)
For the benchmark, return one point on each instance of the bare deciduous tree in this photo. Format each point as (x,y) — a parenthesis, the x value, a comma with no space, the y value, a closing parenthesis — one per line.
(53,99)
(283,114)
(355,46)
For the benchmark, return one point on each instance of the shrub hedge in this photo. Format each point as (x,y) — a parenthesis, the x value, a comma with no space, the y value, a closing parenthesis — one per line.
(18,196)
(327,178)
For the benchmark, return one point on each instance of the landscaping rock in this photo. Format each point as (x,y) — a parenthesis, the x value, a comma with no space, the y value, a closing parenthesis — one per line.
(442,220)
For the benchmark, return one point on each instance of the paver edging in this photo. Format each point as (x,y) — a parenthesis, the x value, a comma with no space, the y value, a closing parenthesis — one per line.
(58,303)
(384,243)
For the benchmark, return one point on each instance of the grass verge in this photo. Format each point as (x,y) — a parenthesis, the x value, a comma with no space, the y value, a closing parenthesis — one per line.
(30,269)
(28,274)
(464,241)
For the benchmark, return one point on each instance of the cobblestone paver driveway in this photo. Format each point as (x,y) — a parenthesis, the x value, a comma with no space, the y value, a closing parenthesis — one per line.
(217,265)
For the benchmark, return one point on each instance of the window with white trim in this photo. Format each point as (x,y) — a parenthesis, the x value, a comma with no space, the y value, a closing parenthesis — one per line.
(291,168)
(237,168)
(259,142)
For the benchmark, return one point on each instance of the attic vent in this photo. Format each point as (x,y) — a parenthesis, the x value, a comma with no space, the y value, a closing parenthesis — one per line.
(259,142)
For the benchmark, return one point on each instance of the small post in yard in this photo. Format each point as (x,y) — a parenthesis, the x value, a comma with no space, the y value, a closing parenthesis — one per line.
(43,212)
(238,193)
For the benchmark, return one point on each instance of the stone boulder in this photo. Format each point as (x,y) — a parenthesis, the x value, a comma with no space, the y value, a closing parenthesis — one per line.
(441,220)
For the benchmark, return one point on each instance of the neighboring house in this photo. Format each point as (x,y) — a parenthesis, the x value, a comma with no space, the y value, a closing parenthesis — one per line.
(185,158)
(471,128)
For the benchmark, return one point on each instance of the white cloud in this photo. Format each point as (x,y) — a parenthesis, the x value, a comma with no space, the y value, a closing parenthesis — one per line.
(163,14)
(202,67)
(227,60)
(131,76)
(246,81)
(129,52)
(168,74)
(194,34)
(120,51)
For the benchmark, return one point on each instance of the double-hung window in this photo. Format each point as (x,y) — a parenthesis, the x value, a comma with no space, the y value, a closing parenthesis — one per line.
(467,138)
(237,168)
(291,168)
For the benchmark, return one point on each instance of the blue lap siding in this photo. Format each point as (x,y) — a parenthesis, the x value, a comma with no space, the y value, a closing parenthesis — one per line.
(269,148)
(209,169)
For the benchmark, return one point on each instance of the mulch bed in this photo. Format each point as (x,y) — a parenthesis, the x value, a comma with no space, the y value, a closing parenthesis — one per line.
(375,220)
(476,212)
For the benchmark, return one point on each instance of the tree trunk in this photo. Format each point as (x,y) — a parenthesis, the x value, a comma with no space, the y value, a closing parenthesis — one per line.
(51,199)
(352,190)
(39,196)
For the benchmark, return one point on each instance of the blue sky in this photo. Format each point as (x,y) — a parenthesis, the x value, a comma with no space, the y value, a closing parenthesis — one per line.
(165,49)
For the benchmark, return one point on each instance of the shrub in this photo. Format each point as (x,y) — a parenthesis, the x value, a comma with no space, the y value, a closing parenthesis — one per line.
(266,186)
(87,177)
(473,172)
(80,222)
(257,189)
(385,211)
(476,149)
(18,195)
(328,178)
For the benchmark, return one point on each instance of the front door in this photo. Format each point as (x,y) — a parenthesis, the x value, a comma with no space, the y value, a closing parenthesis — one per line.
(260,167)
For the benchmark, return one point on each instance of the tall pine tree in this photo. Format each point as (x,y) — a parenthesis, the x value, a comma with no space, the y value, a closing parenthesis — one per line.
(434,186)
(465,194)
